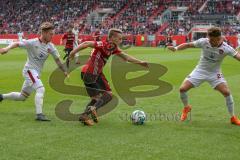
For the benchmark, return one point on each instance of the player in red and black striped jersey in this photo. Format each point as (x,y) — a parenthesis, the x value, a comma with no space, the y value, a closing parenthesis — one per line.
(68,40)
(96,84)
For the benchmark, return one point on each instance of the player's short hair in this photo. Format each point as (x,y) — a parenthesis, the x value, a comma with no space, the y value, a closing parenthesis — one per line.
(45,26)
(112,31)
(214,32)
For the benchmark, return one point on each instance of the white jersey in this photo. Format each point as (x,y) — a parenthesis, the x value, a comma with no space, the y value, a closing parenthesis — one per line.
(20,36)
(212,57)
(238,36)
(38,53)
(75,32)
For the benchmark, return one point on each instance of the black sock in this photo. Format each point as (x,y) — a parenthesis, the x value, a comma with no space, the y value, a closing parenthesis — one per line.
(91,103)
(104,99)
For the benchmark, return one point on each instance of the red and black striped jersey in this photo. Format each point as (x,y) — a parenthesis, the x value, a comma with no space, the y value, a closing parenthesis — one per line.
(70,38)
(99,56)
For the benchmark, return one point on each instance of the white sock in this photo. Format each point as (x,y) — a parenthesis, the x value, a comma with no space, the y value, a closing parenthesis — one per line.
(230,104)
(16,96)
(184,98)
(39,99)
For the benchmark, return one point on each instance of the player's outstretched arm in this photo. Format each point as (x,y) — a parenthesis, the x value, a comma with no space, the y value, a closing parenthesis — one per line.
(237,56)
(80,47)
(61,66)
(181,47)
(131,59)
(11,46)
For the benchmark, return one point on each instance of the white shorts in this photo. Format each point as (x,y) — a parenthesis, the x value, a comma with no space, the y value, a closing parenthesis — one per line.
(198,77)
(32,81)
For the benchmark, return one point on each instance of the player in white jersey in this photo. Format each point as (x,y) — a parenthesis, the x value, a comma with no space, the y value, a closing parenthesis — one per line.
(76,42)
(38,51)
(214,50)
(20,36)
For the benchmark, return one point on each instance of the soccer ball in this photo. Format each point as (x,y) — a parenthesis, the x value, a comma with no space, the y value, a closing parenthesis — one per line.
(138,117)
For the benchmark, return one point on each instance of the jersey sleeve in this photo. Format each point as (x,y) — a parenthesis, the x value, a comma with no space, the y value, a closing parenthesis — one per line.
(231,51)
(25,44)
(53,51)
(200,42)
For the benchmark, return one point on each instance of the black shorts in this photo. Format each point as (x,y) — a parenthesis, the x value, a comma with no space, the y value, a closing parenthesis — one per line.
(97,85)
(68,50)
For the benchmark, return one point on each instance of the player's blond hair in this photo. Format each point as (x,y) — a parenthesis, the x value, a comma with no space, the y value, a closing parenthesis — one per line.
(214,32)
(112,32)
(46,26)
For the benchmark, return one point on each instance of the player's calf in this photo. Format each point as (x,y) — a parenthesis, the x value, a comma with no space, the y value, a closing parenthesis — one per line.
(103,100)
(16,96)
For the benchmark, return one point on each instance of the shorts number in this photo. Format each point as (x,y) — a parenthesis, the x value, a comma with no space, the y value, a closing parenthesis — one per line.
(219,76)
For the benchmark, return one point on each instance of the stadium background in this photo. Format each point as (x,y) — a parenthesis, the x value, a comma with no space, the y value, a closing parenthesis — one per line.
(154,20)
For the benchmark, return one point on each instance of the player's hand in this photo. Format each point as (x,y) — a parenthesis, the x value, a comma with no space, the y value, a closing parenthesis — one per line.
(3,50)
(144,64)
(171,48)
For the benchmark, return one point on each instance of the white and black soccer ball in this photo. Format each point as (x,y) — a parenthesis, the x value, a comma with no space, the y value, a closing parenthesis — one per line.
(138,117)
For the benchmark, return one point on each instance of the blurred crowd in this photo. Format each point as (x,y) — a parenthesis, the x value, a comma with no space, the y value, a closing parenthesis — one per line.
(132,16)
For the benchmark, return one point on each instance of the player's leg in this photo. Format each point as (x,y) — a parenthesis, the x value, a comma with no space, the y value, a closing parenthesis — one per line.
(68,50)
(18,96)
(224,90)
(91,88)
(195,79)
(103,98)
(185,87)
(76,57)
(93,92)
(37,85)
(106,92)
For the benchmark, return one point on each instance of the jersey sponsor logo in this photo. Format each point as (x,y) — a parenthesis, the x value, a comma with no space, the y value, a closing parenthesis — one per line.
(99,44)
(221,51)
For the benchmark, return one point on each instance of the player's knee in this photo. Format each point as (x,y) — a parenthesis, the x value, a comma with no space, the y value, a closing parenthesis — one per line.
(107,96)
(22,97)
(182,89)
(226,93)
(40,91)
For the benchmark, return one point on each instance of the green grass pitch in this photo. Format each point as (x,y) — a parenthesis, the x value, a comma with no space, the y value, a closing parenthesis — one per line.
(209,135)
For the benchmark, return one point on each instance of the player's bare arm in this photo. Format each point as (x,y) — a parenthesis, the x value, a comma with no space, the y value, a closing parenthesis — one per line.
(181,47)
(11,46)
(81,47)
(237,56)
(61,66)
(132,59)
